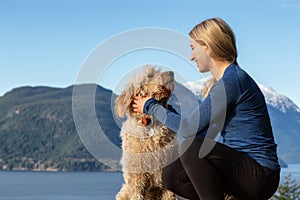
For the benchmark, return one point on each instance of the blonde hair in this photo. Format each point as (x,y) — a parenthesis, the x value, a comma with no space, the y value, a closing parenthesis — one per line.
(217,35)
(207,86)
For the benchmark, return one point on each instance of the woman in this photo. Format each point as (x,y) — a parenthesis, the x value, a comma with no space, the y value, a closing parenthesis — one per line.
(245,165)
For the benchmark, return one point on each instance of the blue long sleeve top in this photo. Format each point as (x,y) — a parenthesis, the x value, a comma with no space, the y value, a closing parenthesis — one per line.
(235,107)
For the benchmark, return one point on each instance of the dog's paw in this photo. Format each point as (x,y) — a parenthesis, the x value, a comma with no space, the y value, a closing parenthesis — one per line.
(168,195)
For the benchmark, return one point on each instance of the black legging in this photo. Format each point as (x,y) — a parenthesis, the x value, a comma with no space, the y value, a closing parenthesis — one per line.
(223,170)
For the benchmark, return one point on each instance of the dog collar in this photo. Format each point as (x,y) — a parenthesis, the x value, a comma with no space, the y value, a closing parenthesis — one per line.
(146,121)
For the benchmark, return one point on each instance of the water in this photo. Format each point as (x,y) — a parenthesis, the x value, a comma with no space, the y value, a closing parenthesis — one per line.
(294,170)
(74,185)
(59,185)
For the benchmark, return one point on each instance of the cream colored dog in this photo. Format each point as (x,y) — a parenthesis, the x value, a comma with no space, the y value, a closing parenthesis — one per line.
(147,144)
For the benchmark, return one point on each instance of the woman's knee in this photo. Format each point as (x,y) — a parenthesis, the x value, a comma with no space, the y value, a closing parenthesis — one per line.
(171,175)
(189,150)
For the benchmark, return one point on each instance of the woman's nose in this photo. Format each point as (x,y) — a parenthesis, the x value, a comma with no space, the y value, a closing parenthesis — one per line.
(192,57)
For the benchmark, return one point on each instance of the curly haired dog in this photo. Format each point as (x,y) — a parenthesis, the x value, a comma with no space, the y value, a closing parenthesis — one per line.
(147,144)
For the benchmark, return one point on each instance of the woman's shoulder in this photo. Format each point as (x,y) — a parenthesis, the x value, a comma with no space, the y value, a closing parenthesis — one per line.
(234,68)
(243,80)
(236,72)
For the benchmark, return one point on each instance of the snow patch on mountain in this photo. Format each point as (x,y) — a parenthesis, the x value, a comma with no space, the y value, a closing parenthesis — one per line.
(277,100)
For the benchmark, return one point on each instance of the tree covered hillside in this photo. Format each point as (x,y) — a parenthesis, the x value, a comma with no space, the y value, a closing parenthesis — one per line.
(37,130)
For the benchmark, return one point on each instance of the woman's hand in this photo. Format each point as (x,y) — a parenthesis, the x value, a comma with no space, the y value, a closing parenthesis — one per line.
(138,103)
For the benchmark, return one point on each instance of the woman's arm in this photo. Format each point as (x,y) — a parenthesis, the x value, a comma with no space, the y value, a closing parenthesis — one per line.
(186,124)
(208,117)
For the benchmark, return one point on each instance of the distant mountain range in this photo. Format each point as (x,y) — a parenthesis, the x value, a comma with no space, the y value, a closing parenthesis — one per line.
(285,120)
(37,130)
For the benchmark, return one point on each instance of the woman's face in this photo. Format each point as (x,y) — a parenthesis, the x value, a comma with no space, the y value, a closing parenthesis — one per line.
(200,56)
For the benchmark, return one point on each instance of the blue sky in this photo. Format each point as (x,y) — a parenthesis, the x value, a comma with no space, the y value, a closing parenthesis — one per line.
(45,42)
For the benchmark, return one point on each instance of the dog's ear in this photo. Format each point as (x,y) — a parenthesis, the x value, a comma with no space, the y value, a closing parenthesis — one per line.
(120,109)
(123,102)
(168,80)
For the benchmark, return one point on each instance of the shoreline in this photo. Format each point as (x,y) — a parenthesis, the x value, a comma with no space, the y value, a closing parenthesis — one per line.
(44,171)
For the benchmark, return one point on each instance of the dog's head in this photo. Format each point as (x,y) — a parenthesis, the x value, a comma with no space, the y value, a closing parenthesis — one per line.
(149,82)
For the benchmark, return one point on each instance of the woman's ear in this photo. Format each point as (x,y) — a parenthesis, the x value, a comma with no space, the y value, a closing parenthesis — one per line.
(205,47)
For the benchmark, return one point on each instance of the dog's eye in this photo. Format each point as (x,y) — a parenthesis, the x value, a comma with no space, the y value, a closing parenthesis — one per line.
(163,87)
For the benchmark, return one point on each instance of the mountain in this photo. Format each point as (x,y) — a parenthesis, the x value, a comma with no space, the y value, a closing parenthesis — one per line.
(285,120)
(37,130)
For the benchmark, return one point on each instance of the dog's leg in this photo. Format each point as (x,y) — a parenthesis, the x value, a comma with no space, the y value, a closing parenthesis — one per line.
(134,187)
(123,193)
(130,193)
